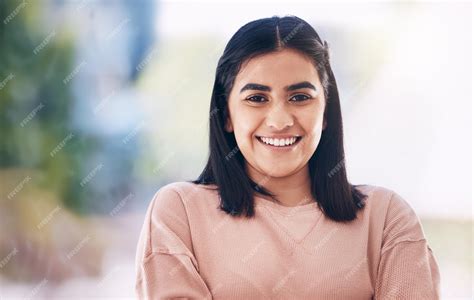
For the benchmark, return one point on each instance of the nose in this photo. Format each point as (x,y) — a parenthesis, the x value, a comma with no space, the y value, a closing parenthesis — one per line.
(279,118)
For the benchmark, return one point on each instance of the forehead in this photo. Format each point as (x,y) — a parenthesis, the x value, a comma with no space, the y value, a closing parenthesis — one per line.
(278,68)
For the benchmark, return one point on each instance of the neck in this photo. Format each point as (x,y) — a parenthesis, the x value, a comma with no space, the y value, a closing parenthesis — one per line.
(290,190)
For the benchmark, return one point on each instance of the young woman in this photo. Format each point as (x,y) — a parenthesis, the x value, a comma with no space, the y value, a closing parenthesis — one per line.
(273,214)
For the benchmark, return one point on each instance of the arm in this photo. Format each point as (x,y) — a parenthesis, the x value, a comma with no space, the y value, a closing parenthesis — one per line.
(165,263)
(407,268)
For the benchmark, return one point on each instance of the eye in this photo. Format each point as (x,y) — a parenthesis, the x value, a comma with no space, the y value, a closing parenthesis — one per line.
(256,98)
(300,98)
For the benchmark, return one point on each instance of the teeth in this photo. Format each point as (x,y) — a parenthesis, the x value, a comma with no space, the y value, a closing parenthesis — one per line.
(278,142)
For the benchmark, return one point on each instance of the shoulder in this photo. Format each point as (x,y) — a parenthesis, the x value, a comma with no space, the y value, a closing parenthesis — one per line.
(177,195)
(377,199)
(386,199)
(399,219)
(167,218)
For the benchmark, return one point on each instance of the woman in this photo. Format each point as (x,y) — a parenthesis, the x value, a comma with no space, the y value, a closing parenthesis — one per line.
(273,214)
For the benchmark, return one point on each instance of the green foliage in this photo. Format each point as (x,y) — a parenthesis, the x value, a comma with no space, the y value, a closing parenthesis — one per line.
(35,103)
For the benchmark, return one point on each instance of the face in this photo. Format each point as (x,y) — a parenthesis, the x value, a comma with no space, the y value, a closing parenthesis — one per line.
(276,109)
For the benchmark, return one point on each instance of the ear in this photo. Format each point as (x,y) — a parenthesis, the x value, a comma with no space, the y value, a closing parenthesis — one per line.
(324,124)
(228,125)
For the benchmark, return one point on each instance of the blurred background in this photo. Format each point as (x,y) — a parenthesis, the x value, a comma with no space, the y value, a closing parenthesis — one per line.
(102,102)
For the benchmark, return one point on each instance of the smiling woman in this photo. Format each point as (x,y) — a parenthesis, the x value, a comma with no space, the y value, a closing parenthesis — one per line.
(274,81)
(273,215)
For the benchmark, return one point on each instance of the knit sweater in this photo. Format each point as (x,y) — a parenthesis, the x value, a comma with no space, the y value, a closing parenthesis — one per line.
(189,248)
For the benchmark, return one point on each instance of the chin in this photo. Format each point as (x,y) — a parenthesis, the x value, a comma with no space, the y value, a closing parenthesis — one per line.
(278,171)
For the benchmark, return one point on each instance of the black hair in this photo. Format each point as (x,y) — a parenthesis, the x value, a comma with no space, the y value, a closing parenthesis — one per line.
(338,199)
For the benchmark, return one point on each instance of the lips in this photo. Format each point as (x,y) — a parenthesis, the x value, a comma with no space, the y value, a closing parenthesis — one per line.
(298,138)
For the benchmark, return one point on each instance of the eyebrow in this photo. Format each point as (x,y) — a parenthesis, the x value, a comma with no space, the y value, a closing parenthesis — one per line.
(265,88)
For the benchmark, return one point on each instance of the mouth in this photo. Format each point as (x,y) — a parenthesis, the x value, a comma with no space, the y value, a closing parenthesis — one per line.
(276,143)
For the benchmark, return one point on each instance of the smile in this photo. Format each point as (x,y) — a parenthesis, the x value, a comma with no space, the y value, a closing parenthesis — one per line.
(276,142)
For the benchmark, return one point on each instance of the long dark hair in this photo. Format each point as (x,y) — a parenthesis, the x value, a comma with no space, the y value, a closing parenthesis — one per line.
(338,199)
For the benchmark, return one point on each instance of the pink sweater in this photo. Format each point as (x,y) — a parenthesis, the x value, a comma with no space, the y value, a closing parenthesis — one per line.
(188,248)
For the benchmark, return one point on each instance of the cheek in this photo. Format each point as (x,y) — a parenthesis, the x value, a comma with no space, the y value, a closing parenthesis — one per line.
(312,120)
(247,123)
(312,124)
(244,131)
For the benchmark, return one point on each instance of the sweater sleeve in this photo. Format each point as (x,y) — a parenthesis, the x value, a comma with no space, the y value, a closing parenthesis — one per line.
(407,268)
(165,264)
